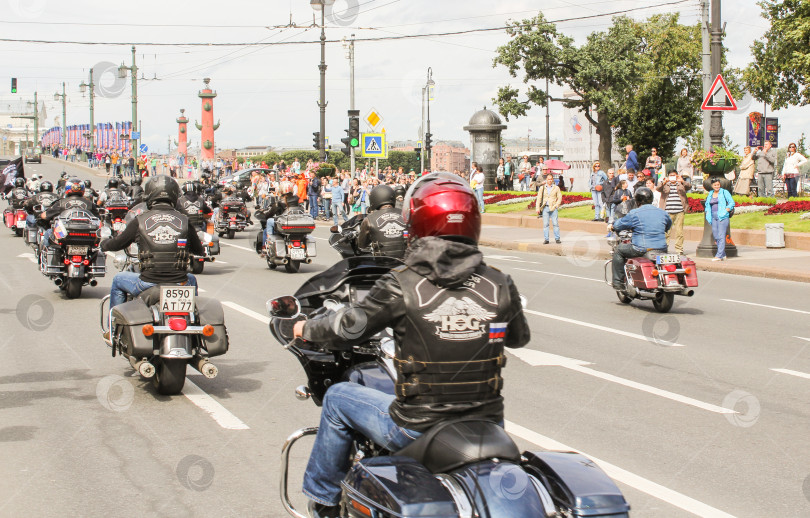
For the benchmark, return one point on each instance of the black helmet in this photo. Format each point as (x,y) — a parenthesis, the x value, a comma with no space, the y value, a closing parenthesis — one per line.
(161,188)
(189,187)
(46,186)
(643,196)
(399,191)
(88,184)
(381,195)
(112,183)
(19,182)
(74,187)
(136,180)
(63,175)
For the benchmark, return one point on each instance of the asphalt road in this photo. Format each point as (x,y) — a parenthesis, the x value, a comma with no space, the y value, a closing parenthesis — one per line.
(684,410)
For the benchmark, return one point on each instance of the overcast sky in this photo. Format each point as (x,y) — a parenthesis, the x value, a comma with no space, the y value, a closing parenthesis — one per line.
(267,95)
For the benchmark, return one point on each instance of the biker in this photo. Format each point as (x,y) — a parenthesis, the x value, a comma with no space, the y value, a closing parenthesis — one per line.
(458,314)
(17,196)
(165,239)
(44,198)
(89,192)
(112,192)
(399,192)
(649,225)
(135,191)
(383,230)
(193,206)
(60,185)
(74,199)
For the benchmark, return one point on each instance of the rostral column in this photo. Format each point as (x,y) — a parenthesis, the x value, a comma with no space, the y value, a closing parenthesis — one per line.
(182,135)
(207,128)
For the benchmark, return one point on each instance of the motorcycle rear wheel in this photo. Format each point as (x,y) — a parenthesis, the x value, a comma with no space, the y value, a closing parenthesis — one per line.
(663,302)
(623,297)
(18,232)
(231,233)
(292,266)
(73,288)
(170,376)
(197,266)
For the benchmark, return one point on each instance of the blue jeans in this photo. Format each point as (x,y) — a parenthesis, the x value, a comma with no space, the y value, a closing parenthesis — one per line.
(130,283)
(338,209)
(479,195)
(719,229)
(46,238)
(313,206)
(349,407)
(791,184)
(597,203)
(325,205)
(553,216)
(268,230)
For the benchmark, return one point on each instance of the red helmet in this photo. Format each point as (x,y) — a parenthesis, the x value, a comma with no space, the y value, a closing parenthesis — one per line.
(442,205)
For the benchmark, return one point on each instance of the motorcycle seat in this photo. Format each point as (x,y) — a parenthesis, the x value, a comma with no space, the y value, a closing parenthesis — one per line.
(452,444)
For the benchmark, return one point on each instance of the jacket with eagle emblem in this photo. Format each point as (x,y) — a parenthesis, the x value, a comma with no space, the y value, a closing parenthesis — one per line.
(195,208)
(457,313)
(383,231)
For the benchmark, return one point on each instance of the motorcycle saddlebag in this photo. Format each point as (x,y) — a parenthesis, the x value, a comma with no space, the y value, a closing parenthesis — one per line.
(395,486)
(130,318)
(691,278)
(295,224)
(578,483)
(211,313)
(640,271)
(276,246)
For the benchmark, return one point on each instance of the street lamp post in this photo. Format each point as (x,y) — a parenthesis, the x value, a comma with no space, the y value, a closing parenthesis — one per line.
(428,89)
(320,5)
(56,97)
(349,46)
(122,73)
(82,88)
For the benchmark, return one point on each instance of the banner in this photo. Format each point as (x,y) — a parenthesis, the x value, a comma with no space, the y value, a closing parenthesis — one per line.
(772,130)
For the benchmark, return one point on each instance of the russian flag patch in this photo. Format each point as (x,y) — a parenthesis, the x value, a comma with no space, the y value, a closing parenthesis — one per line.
(181,243)
(497,331)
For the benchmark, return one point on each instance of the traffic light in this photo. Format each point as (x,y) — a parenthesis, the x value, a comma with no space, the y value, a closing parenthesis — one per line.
(354,128)
(347,145)
(316,140)
(14,85)
(428,143)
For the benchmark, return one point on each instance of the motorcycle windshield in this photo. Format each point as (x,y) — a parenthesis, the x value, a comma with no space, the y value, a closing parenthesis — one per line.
(330,279)
(500,489)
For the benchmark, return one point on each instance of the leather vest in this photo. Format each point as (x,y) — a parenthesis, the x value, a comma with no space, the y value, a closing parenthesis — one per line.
(192,206)
(162,241)
(454,352)
(115,194)
(17,197)
(136,193)
(386,232)
(46,199)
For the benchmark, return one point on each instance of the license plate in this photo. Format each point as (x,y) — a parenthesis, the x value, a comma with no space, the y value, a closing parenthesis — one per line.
(177,299)
(118,226)
(20,223)
(76,250)
(298,254)
(668,259)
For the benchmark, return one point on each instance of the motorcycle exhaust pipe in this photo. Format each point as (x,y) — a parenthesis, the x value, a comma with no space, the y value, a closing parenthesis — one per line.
(93,283)
(686,293)
(308,260)
(145,369)
(58,281)
(646,294)
(205,367)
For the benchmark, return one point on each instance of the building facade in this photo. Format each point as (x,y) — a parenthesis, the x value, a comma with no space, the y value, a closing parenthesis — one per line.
(444,157)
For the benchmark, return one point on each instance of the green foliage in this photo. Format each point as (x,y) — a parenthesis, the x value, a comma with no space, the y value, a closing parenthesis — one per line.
(781,69)
(326,170)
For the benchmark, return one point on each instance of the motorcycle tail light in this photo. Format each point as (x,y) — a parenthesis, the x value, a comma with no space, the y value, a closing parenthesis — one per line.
(76,258)
(233,218)
(225,209)
(148,330)
(86,262)
(670,268)
(655,273)
(296,244)
(67,261)
(177,324)
(118,220)
(208,330)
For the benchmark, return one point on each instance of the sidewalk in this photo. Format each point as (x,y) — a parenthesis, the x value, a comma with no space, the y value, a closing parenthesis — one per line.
(584,242)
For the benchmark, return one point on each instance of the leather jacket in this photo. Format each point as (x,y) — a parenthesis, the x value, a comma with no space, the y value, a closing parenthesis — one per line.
(457,314)
(383,231)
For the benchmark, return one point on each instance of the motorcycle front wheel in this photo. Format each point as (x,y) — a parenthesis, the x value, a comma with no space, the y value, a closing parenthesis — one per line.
(663,302)
(231,233)
(623,297)
(170,376)
(197,266)
(73,288)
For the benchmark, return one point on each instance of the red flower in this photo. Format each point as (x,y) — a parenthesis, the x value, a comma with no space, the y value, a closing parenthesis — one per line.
(789,208)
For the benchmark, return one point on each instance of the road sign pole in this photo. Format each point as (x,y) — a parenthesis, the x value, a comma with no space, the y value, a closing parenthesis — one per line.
(716,129)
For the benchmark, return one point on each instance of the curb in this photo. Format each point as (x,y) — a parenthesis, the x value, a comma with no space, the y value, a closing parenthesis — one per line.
(706,265)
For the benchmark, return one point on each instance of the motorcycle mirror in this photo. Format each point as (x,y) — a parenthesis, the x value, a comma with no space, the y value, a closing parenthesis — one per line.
(104,232)
(335,229)
(523,302)
(284,307)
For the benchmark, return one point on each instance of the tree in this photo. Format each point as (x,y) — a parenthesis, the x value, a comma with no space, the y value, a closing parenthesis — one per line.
(781,68)
(642,78)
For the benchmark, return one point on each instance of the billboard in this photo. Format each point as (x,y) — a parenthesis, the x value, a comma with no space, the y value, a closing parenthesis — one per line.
(759,128)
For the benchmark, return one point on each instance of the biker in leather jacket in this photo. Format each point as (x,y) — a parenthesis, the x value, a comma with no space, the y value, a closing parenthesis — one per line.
(383,230)
(193,206)
(74,199)
(458,314)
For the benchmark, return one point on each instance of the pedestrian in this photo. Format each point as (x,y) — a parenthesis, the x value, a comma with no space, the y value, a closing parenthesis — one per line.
(338,196)
(649,183)
(549,199)
(631,164)
(684,166)
(508,170)
(673,200)
(107,163)
(653,163)
(525,173)
(611,184)
(477,184)
(747,167)
(499,175)
(790,170)
(313,191)
(632,181)
(719,205)
(596,183)
(766,165)
(621,194)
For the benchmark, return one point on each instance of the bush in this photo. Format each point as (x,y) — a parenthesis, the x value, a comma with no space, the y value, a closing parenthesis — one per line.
(326,170)
(789,208)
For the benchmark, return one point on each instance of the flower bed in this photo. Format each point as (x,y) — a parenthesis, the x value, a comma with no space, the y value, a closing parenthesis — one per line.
(696,205)
(507,199)
(789,208)
(568,201)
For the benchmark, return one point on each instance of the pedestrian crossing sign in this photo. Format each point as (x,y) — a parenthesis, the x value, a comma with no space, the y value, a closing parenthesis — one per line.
(373,145)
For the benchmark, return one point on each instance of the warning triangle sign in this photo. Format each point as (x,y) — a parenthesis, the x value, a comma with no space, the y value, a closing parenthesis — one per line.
(719,97)
(373,146)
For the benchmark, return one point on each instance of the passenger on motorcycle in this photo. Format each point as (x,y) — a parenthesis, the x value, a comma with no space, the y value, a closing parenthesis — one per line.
(112,192)
(457,313)
(74,199)
(165,240)
(383,230)
(649,225)
(44,198)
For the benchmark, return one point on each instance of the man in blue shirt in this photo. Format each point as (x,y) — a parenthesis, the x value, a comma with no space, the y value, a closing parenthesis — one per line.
(632,159)
(649,225)
(337,201)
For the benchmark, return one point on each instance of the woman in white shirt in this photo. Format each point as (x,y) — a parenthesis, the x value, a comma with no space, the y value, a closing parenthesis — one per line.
(790,170)
(477,184)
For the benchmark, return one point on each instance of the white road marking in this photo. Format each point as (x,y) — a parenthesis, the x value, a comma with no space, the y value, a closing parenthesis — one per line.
(767,306)
(510,258)
(248,312)
(595,326)
(540,358)
(238,246)
(616,473)
(29,256)
(219,413)
(219,262)
(802,338)
(563,275)
(798,374)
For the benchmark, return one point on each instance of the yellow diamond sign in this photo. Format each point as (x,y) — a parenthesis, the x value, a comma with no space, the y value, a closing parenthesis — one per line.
(373,118)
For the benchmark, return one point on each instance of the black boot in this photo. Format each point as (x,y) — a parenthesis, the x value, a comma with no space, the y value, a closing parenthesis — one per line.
(317,510)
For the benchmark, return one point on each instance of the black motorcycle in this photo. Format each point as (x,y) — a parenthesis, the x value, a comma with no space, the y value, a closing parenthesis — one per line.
(344,237)
(290,245)
(458,468)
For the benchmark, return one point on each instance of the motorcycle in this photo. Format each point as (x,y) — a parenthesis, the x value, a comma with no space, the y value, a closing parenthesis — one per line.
(231,219)
(15,220)
(210,242)
(164,329)
(290,245)
(655,276)
(344,237)
(427,478)
(74,258)
(115,213)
